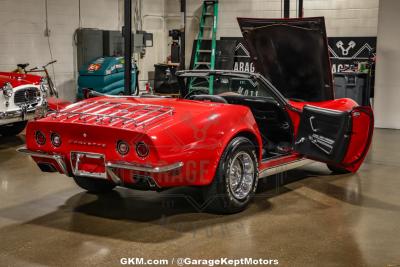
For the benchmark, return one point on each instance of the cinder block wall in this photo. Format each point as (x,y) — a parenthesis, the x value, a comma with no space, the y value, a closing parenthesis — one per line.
(22,25)
(346,17)
(343,17)
(154,21)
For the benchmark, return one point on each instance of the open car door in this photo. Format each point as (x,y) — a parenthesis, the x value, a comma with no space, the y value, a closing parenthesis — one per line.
(340,138)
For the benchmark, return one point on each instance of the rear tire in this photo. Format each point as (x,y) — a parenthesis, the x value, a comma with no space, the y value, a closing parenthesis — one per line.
(13,129)
(236,178)
(336,170)
(93,185)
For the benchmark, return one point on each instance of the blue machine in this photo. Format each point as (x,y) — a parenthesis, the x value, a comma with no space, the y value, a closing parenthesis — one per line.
(105,75)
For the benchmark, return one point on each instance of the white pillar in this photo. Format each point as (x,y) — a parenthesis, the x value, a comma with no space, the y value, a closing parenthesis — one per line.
(387,84)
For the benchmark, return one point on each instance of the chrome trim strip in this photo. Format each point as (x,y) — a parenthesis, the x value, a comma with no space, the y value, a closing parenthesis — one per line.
(58,158)
(150,169)
(284,167)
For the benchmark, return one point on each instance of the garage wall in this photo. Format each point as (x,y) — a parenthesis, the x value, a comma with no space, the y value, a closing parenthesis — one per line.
(154,21)
(22,25)
(387,84)
(343,17)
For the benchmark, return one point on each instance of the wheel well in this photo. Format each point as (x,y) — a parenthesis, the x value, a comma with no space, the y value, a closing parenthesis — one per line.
(252,138)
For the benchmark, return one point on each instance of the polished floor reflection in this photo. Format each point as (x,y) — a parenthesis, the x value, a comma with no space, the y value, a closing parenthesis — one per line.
(306,217)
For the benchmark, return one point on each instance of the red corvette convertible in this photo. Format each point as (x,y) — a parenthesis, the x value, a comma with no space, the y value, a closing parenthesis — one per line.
(223,140)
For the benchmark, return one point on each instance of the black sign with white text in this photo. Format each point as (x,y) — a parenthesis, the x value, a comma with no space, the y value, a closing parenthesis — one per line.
(344,51)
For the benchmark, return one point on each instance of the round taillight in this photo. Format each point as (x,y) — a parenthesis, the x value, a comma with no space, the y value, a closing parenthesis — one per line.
(40,138)
(55,140)
(142,149)
(122,148)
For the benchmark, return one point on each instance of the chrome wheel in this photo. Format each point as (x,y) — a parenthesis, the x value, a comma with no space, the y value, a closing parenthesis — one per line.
(241,175)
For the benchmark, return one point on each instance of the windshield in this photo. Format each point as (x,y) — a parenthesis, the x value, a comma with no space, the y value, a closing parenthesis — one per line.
(223,84)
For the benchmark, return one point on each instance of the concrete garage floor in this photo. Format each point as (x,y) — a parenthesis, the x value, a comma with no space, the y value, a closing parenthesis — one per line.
(303,218)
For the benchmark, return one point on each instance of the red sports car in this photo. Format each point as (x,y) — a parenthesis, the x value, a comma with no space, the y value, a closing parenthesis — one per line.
(221,138)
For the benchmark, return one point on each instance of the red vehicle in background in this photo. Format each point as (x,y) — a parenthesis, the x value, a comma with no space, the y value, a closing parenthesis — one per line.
(24,95)
(21,96)
(250,127)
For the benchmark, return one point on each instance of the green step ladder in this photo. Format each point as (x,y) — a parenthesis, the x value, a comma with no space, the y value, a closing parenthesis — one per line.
(204,57)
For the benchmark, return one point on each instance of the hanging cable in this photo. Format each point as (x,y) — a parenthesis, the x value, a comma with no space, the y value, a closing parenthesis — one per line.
(79,14)
(140,26)
(47,31)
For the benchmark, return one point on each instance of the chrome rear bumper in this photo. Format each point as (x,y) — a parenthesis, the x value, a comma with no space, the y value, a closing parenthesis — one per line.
(111,167)
(58,158)
(143,168)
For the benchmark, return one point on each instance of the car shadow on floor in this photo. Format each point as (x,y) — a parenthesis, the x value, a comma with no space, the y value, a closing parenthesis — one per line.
(133,215)
(11,141)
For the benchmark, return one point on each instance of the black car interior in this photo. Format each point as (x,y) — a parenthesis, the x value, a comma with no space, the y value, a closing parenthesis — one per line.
(211,98)
(273,123)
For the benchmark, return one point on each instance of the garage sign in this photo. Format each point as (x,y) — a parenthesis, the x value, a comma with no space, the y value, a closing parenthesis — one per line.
(346,51)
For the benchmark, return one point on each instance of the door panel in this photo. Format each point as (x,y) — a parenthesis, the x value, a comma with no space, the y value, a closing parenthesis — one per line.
(324,134)
(361,137)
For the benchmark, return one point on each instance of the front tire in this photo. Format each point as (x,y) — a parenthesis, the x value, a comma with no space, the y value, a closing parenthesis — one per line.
(235,181)
(13,129)
(93,185)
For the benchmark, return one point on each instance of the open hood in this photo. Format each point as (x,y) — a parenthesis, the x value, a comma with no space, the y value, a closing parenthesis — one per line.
(292,54)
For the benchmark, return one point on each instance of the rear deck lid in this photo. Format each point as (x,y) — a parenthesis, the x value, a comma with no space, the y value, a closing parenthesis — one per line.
(129,112)
(292,54)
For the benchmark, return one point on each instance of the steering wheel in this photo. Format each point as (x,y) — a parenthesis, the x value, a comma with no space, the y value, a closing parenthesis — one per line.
(197,92)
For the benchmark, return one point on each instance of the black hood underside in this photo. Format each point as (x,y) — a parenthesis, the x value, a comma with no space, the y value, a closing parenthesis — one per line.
(292,54)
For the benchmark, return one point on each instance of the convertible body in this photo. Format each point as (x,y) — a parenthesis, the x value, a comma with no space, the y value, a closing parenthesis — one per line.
(252,126)
(185,138)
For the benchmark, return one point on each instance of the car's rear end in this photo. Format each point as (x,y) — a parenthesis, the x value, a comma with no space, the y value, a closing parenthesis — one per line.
(133,142)
(100,139)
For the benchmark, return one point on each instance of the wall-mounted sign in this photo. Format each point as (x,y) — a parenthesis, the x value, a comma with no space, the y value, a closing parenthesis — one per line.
(241,55)
(242,60)
(346,51)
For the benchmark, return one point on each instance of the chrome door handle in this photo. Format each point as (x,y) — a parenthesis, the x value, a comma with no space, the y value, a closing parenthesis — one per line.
(312,125)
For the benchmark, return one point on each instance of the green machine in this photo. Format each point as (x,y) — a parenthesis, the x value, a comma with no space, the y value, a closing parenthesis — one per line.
(106,76)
